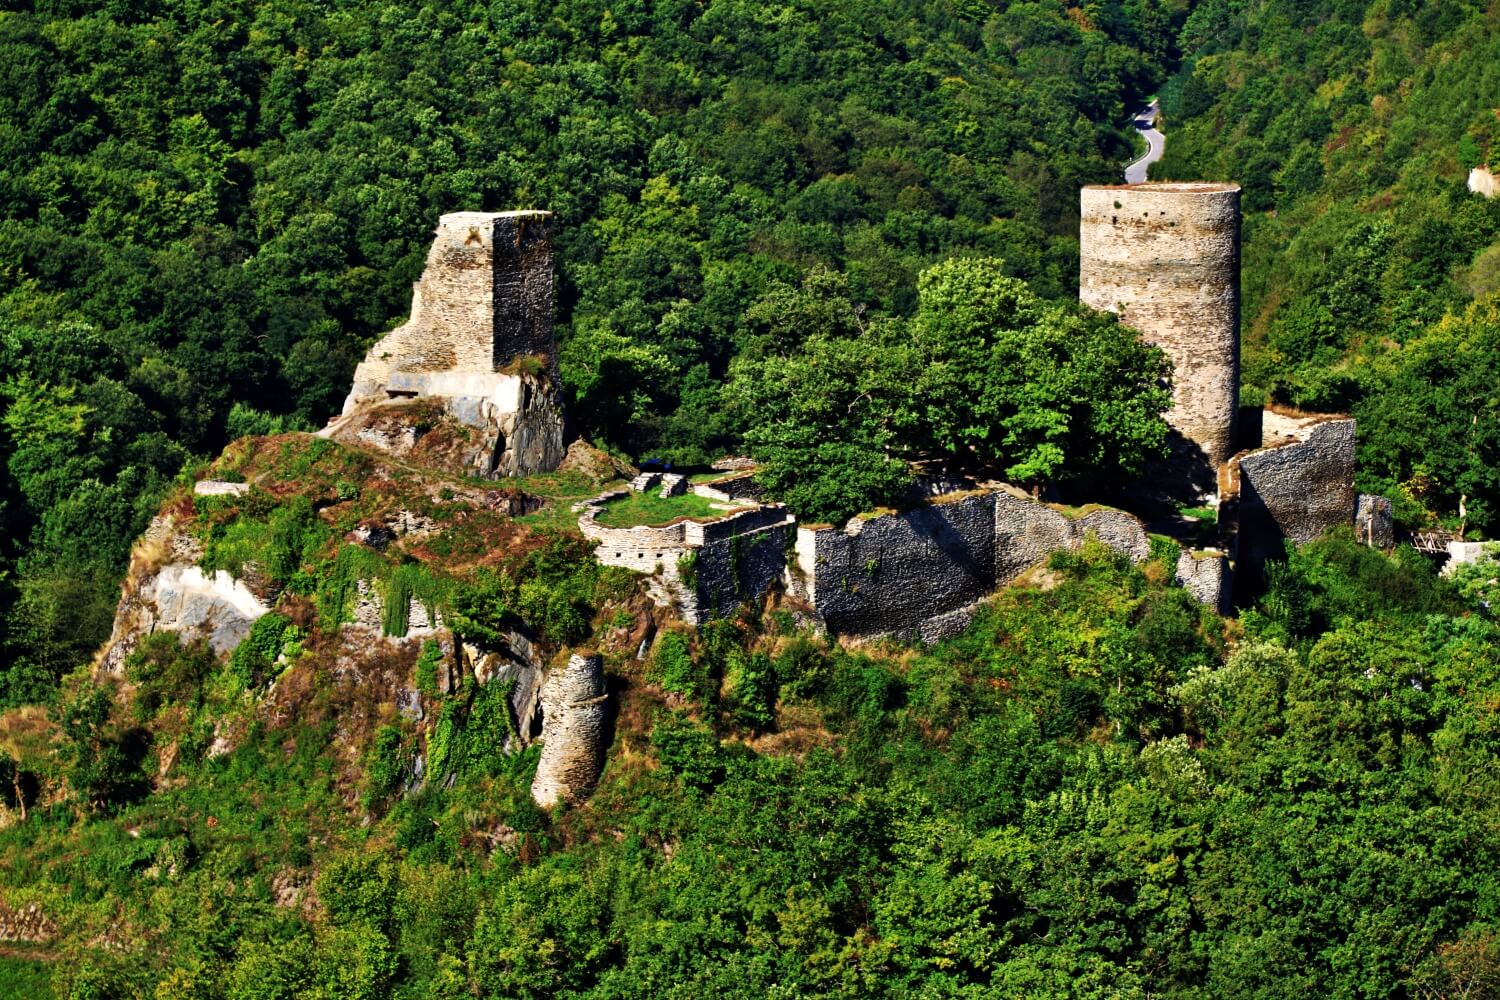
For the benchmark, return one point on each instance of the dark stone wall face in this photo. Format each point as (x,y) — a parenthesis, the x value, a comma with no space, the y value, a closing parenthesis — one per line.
(735,570)
(523,294)
(898,572)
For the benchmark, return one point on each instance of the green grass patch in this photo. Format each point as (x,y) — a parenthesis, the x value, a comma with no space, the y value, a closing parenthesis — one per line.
(649,509)
(561,490)
(1199,513)
(25,979)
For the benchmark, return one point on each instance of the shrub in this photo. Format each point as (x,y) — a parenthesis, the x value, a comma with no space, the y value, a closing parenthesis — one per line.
(673,667)
(253,660)
(688,750)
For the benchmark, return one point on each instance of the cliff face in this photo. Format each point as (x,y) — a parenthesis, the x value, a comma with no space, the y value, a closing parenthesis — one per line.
(165,589)
(352,563)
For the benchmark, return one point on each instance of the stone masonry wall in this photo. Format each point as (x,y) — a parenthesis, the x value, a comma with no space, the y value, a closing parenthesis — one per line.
(919,574)
(575,715)
(1293,491)
(1166,258)
(741,568)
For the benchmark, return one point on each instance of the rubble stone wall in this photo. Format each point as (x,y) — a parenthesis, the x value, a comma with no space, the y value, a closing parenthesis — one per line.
(1293,491)
(575,716)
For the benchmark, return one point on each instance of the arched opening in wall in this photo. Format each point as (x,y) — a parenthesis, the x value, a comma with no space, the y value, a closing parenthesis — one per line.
(400,394)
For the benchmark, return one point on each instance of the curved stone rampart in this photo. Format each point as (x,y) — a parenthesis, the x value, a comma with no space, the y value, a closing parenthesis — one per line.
(1166,258)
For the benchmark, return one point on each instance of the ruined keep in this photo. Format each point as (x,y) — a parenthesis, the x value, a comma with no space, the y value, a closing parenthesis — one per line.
(480,339)
(1165,257)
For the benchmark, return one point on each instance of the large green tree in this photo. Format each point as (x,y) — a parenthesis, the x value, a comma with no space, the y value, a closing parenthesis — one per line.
(985,376)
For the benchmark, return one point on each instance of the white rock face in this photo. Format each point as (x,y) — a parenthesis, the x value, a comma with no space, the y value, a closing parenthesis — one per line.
(183,599)
(1481,181)
(575,710)
(220,488)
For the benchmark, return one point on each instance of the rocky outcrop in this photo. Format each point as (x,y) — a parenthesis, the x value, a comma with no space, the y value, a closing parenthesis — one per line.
(1374,522)
(516,663)
(165,589)
(575,714)
(1482,181)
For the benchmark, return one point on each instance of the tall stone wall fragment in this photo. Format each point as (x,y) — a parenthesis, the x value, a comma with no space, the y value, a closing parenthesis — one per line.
(1205,575)
(1293,491)
(480,337)
(1166,258)
(575,714)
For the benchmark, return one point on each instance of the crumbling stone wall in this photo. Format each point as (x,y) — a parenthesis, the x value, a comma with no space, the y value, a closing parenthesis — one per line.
(705,569)
(1374,521)
(1293,491)
(1166,258)
(730,571)
(919,574)
(483,304)
(27,923)
(575,713)
(1205,575)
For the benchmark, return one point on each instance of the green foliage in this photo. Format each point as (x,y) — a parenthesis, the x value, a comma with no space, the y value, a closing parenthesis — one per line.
(688,750)
(253,662)
(386,765)
(749,689)
(673,666)
(338,583)
(428,662)
(99,763)
(985,373)
(164,671)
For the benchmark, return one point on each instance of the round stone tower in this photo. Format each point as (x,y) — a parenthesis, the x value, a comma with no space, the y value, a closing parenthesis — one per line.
(1166,258)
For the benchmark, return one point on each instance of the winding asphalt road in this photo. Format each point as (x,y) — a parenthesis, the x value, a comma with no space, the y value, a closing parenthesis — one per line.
(1156,144)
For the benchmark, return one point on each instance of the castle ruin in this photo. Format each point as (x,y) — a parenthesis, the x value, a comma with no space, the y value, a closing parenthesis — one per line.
(480,339)
(1166,258)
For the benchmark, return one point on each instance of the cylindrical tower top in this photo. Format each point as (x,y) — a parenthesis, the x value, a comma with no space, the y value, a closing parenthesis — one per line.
(1165,256)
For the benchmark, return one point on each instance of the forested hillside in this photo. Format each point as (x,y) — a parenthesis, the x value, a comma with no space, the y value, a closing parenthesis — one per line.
(1353,127)
(821,230)
(210,210)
